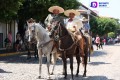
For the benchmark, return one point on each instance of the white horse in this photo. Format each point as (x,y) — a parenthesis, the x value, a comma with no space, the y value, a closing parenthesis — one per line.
(44,43)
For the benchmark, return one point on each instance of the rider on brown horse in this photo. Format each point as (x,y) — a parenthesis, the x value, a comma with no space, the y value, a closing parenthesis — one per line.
(73,25)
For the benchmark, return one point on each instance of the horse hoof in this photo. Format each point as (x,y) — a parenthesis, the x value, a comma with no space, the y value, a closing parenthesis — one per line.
(84,75)
(39,77)
(76,75)
(36,58)
(63,73)
(71,79)
(28,58)
(52,62)
(48,77)
(65,77)
(51,73)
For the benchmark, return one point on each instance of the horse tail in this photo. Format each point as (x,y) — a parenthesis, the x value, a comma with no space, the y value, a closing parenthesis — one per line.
(91,49)
(91,46)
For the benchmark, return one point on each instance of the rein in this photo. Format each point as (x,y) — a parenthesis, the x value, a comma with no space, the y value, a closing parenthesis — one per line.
(67,48)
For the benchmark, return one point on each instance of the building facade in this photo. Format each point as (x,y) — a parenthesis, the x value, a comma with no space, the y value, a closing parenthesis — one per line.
(4,29)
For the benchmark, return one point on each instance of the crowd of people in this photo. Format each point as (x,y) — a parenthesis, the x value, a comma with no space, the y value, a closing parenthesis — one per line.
(9,43)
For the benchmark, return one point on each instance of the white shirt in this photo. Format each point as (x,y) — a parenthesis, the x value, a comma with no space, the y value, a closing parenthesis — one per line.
(70,24)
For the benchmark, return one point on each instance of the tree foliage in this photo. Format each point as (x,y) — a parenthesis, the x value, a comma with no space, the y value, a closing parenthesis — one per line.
(111,34)
(38,9)
(9,9)
(102,26)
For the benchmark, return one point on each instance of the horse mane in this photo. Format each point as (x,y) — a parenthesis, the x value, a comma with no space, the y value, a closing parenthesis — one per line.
(39,28)
(65,29)
(41,33)
(66,38)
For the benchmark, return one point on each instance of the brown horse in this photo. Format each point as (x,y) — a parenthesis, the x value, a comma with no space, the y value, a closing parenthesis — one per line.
(68,48)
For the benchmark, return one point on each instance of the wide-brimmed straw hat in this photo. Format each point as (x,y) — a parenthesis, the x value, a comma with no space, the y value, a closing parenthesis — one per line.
(67,12)
(84,19)
(61,10)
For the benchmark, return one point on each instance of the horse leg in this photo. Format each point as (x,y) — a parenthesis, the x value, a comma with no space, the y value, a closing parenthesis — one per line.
(35,54)
(29,54)
(65,66)
(48,63)
(40,62)
(78,62)
(28,49)
(85,65)
(71,66)
(89,52)
(54,56)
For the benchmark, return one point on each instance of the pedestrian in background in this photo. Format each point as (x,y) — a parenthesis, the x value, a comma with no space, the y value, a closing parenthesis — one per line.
(17,43)
(101,43)
(6,41)
(97,41)
(104,41)
(10,38)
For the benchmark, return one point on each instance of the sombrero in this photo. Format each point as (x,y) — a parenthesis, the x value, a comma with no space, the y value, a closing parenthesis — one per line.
(67,12)
(61,10)
(84,19)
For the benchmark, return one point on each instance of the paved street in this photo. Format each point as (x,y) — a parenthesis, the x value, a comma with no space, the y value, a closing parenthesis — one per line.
(104,65)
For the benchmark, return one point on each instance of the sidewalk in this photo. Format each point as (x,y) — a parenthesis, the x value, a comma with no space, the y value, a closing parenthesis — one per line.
(4,52)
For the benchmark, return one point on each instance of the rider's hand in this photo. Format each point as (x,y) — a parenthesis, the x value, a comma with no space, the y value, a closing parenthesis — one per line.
(74,27)
(49,28)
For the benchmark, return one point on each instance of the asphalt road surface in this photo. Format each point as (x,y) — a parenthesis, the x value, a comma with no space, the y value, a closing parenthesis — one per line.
(104,65)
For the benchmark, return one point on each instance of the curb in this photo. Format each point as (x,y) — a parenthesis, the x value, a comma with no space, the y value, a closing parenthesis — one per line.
(10,54)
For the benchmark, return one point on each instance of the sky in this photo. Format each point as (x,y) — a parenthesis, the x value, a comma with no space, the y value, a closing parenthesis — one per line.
(113,9)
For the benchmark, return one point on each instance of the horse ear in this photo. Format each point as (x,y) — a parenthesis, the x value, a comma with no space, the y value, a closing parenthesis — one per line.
(27,23)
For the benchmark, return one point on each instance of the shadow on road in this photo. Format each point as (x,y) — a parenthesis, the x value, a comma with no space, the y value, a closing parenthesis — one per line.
(3,71)
(81,78)
(98,53)
(23,59)
(97,63)
(19,59)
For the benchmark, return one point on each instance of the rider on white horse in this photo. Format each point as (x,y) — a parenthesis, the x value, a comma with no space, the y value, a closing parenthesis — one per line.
(53,19)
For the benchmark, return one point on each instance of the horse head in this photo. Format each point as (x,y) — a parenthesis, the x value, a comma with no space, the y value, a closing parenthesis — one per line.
(64,36)
(30,33)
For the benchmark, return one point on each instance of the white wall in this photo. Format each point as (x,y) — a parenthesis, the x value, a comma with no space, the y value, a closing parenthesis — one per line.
(14,30)
(3,30)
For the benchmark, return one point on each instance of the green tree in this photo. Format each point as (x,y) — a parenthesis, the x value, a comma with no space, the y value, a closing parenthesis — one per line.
(9,9)
(38,9)
(94,25)
(111,34)
(103,25)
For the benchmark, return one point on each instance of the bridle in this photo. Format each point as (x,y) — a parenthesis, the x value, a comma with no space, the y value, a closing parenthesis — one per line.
(61,37)
(31,31)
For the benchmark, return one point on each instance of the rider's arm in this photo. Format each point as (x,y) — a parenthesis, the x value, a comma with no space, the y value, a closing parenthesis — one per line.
(47,22)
